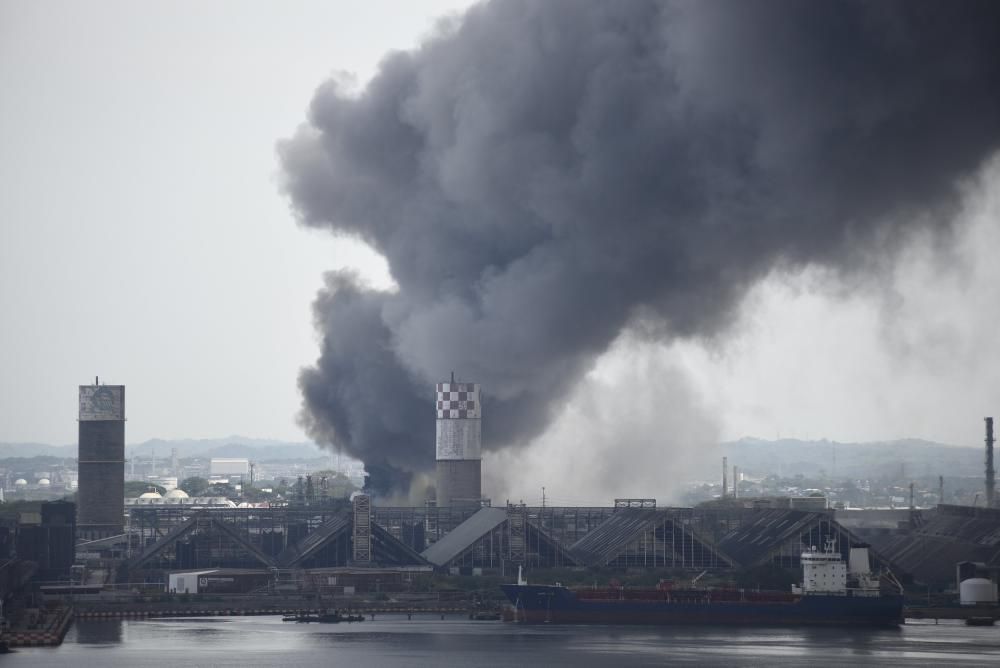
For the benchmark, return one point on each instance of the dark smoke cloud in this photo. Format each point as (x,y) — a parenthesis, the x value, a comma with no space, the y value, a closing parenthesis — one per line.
(543,175)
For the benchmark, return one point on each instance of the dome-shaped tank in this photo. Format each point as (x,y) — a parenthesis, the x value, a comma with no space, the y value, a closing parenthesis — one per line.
(44,482)
(977,590)
(150,495)
(20,482)
(176,494)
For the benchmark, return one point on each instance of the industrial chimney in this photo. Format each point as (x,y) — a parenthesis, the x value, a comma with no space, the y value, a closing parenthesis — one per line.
(990,475)
(459,443)
(100,507)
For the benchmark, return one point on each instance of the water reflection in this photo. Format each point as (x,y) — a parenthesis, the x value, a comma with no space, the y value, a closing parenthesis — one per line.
(97,632)
(396,642)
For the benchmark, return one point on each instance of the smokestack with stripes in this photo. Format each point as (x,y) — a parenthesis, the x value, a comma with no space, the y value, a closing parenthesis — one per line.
(459,443)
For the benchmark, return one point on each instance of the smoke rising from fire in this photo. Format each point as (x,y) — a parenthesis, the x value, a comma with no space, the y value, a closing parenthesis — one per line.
(542,176)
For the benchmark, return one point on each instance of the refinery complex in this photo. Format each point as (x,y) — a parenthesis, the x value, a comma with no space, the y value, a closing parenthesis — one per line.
(357,549)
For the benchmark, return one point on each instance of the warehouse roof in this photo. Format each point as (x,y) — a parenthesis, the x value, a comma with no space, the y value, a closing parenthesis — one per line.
(612,535)
(768,530)
(615,534)
(943,538)
(464,535)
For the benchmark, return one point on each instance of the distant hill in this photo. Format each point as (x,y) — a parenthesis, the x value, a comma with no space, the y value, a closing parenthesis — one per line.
(904,458)
(36,450)
(257,449)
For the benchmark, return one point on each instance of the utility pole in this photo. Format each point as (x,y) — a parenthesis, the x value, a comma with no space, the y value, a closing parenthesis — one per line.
(725,472)
(990,473)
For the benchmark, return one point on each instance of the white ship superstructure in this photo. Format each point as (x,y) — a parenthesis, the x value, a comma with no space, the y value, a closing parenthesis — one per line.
(826,573)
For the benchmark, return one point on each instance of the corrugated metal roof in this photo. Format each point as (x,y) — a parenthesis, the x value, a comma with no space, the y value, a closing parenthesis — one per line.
(464,535)
(753,540)
(332,528)
(612,535)
(946,536)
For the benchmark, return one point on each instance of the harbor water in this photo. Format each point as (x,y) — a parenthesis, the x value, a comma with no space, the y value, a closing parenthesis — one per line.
(426,640)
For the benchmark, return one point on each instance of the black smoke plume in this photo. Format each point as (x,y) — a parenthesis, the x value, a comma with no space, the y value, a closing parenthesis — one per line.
(544,175)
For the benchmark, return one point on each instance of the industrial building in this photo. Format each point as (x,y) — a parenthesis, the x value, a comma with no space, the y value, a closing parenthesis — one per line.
(279,538)
(180,542)
(101,457)
(229,467)
(459,444)
(627,537)
(935,541)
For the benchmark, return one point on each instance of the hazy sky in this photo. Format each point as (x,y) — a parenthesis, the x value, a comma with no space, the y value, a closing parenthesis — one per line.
(143,238)
(142,234)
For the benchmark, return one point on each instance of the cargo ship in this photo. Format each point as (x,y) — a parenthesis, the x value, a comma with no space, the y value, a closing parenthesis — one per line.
(824,599)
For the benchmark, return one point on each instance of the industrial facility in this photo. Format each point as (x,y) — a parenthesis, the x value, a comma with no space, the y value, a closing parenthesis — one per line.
(178,544)
(459,444)
(463,533)
(101,494)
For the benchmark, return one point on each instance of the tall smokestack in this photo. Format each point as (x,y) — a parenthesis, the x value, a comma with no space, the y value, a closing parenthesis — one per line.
(725,472)
(990,474)
(940,489)
(459,443)
(100,506)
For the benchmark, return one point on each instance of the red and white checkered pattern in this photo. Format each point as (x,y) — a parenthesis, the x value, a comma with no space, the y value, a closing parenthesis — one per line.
(458,401)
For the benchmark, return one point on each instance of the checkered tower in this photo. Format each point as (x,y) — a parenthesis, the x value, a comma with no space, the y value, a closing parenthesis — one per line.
(459,444)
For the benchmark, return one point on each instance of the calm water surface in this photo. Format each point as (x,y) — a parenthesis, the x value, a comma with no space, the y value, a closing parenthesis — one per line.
(391,641)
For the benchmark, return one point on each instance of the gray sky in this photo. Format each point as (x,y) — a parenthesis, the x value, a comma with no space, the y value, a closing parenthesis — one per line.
(142,234)
(143,238)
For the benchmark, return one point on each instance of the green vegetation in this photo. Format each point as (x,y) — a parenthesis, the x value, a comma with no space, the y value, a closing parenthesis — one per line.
(194,486)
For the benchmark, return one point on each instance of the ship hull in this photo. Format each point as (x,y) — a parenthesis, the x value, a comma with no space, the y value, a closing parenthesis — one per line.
(540,604)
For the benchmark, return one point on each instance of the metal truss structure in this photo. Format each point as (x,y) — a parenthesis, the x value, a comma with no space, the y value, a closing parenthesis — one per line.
(644,538)
(362,539)
(628,536)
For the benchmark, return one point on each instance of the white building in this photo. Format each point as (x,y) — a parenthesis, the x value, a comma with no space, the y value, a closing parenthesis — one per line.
(229,467)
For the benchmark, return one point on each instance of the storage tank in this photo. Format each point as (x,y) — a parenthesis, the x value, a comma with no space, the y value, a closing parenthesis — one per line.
(977,590)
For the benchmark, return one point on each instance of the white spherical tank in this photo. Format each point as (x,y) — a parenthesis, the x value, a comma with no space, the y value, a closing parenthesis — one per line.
(977,590)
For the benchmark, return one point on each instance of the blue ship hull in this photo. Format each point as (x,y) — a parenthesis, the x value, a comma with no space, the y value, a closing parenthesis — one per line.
(539,604)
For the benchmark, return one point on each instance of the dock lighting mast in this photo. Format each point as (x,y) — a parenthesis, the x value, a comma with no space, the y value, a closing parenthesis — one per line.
(990,473)
(725,469)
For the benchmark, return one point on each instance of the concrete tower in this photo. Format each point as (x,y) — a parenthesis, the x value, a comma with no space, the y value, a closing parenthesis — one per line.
(100,506)
(459,444)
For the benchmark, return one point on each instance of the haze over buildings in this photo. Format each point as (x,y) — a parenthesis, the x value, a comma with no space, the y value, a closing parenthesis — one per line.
(776,224)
